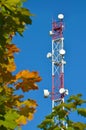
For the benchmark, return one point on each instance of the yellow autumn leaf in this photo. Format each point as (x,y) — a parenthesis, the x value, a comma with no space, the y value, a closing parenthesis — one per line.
(30,116)
(30,103)
(11,67)
(22,120)
(18,103)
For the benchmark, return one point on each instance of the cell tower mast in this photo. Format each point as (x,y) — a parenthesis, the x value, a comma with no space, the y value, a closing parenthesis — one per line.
(57,56)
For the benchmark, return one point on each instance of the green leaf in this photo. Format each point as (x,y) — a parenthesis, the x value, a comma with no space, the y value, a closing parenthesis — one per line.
(69,128)
(79,126)
(9,119)
(82,111)
(63,115)
(70,106)
(12,2)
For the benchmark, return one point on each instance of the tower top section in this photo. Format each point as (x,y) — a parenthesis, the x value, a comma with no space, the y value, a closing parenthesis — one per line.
(57,27)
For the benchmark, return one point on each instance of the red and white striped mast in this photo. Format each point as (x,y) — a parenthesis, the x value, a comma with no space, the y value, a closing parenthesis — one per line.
(57,56)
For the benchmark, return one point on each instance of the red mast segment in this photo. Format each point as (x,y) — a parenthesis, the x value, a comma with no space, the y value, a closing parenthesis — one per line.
(57,74)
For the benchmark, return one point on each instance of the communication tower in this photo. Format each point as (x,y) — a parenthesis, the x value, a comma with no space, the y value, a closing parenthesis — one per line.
(57,57)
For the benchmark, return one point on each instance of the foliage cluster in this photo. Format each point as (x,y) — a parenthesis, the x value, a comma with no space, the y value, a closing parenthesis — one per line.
(59,119)
(14,111)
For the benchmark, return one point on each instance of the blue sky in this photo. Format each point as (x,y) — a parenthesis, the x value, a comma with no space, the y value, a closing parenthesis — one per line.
(36,43)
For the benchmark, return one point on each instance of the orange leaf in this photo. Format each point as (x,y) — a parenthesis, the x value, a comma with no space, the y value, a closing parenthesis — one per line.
(26,86)
(25,74)
(12,48)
